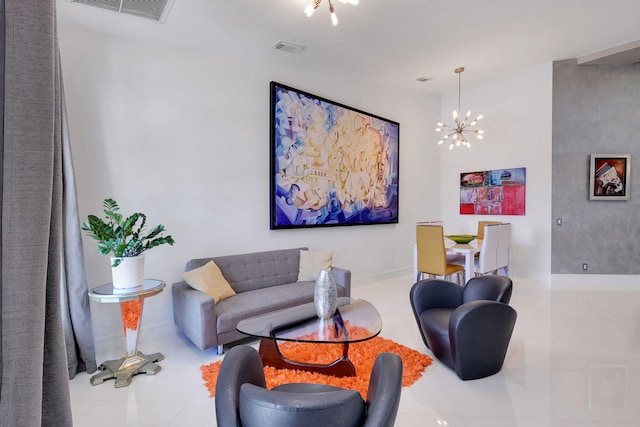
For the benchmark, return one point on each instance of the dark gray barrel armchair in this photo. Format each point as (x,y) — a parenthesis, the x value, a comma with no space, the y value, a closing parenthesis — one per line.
(243,401)
(467,328)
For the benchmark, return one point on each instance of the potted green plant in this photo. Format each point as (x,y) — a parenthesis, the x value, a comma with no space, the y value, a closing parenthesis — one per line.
(126,240)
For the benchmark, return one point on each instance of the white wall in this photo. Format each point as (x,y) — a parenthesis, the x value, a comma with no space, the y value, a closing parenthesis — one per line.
(517,123)
(184,137)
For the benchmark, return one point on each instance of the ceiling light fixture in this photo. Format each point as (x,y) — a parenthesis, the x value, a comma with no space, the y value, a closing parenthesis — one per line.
(334,18)
(457,132)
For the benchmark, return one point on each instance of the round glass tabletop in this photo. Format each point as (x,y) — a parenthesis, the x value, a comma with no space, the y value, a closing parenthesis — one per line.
(107,293)
(355,320)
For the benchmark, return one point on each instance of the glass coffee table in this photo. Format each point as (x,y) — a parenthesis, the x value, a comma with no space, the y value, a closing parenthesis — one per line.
(301,324)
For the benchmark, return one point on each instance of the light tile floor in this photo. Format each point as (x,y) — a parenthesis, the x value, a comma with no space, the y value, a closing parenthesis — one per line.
(574,361)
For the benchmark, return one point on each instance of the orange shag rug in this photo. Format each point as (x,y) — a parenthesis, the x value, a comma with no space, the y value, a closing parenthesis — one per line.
(361,354)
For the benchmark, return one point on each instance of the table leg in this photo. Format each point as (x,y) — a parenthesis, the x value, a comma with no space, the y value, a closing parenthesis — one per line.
(468,266)
(134,362)
(415,263)
(271,356)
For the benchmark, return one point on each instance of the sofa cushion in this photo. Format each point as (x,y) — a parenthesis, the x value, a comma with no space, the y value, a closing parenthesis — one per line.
(248,304)
(311,262)
(209,279)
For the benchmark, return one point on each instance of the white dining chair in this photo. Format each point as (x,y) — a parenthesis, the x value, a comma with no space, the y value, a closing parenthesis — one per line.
(487,262)
(504,248)
(482,224)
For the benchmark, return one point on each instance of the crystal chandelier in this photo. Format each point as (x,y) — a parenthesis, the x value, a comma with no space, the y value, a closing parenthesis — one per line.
(334,18)
(459,132)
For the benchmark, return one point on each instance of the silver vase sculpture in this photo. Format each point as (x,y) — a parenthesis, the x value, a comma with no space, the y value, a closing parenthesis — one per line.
(325,295)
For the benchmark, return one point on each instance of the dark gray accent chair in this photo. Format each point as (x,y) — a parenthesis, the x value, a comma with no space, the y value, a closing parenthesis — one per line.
(467,328)
(243,401)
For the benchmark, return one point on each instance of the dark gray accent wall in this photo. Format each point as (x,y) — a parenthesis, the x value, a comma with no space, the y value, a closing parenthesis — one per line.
(596,110)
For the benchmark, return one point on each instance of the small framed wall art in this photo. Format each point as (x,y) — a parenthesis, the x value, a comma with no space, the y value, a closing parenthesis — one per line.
(609,177)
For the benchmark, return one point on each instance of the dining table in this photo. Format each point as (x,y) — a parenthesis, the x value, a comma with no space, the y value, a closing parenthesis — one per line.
(469,250)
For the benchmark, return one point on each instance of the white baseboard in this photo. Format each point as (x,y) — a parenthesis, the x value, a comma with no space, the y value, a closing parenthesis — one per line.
(378,277)
(595,282)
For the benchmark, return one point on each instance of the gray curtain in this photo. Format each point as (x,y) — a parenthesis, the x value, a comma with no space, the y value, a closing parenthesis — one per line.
(44,319)
(76,311)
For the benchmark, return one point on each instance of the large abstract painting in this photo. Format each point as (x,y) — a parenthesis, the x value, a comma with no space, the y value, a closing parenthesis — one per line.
(331,164)
(494,192)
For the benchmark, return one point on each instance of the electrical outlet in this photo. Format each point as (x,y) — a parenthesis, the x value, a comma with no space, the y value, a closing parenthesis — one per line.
(585,266)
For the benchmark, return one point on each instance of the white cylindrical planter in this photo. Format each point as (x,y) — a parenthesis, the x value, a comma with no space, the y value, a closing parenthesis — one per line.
(129,274)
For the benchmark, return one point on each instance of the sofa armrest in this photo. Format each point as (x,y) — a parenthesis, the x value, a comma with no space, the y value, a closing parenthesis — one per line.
(195,314)
(241,365)
(343,279)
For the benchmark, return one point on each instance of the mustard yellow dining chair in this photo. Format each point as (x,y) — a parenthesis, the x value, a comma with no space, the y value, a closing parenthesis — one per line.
(437,222)
(481,225)
(432,255)
(451,257)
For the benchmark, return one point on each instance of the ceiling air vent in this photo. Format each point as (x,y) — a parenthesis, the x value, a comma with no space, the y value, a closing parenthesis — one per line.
(156,10)
(288,47)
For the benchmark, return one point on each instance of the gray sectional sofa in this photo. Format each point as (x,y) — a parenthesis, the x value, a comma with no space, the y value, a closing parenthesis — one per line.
(263,282)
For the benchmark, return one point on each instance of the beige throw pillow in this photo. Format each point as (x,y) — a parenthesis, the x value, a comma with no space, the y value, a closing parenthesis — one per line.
(311,262)
(209,279)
